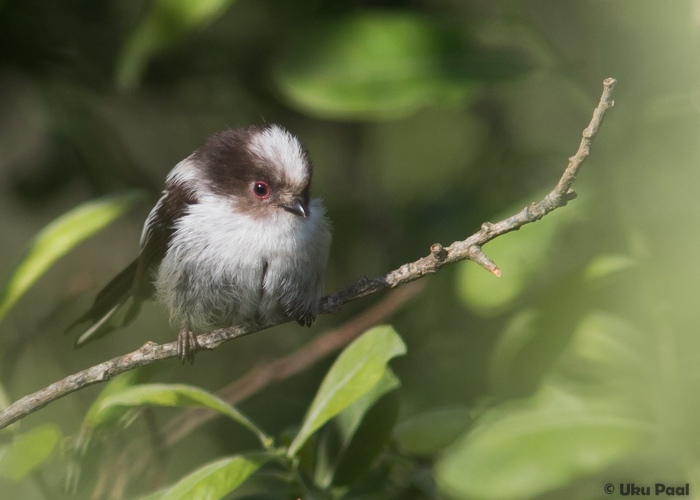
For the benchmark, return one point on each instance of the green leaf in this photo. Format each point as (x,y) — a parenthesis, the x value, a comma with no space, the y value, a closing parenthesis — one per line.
(368,441)
(521,451)
(61,235)
(607,264)
(348,421)
(176,395)
(156,495)
(213,481)
(99,416)
(373,65)
(376,65)
(356,371)
(350,418)
(28,451)
(115,415)
(167,22)
(429,433)
(519,255)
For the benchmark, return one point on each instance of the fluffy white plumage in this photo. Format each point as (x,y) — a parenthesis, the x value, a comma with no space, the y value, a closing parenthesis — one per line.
(224,267)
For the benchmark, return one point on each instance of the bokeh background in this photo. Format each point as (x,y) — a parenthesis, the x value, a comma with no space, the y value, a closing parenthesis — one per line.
(577,368)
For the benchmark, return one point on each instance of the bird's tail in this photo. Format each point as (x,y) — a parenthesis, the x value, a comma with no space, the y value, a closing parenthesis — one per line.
(115,306)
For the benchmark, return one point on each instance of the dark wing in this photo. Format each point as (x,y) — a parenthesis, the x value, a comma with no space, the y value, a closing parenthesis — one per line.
(114,306)
(120,301)
(114,293)
(157,233)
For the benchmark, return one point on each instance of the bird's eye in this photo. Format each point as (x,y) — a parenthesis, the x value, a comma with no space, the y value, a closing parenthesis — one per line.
(261,190)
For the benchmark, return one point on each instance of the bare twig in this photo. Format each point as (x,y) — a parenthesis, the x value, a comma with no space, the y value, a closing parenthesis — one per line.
(280,369)
(469,249)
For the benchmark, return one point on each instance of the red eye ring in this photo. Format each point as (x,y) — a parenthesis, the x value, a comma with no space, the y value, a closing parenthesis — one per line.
(261,190)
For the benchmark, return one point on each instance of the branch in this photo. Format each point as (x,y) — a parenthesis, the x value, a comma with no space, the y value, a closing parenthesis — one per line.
(469,249)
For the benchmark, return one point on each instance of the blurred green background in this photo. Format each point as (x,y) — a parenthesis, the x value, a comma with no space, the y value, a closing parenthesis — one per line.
(423,119)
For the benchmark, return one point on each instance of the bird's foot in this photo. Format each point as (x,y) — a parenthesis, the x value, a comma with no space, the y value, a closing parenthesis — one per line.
(307,320)
(186,345)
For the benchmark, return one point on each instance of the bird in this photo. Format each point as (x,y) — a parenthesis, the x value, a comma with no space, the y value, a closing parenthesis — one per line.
(235,239)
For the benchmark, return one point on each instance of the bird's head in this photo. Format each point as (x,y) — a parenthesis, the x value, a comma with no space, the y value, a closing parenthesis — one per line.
(262,170)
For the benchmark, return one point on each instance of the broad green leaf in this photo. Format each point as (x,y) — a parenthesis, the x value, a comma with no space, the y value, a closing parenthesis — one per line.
(356,371)
(92,420)
(348,421)
(350,418)
(176,395)
(56,239)
(368,441)
(519,255)
(28,451)
(115,415)
(97,415)
(213,481)
(367,65)
(167,22)
(156,495)
(518,452)
(382,65)
(607,264)
(429,433)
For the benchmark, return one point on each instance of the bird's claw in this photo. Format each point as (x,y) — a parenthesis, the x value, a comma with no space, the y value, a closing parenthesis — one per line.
(186,345)
(307,320)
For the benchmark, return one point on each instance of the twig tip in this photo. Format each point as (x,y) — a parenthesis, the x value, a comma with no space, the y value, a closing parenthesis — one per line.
(478,256)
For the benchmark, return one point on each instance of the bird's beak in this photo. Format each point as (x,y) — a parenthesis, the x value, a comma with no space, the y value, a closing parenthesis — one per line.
(295,206)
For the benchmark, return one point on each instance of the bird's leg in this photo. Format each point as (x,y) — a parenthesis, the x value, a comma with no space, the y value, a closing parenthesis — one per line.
(186,344)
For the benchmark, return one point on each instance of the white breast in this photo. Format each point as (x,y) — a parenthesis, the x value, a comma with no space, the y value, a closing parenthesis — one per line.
(224,268)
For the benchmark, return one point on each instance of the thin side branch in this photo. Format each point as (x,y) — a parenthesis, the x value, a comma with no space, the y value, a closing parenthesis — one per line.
(468,249)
